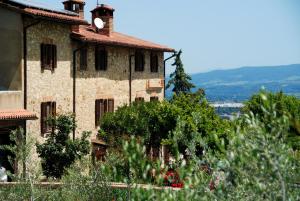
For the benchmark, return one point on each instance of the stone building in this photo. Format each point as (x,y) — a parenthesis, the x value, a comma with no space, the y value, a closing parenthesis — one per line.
(54,62)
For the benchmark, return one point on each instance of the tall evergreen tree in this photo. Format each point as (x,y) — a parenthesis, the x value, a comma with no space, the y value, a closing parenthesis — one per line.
(179,79)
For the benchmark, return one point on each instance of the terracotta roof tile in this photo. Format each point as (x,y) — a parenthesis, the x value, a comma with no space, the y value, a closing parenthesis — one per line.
(87,34)
(20,114)
(53,15)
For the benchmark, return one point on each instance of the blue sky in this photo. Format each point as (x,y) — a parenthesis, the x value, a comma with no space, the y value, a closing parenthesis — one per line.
(214,34)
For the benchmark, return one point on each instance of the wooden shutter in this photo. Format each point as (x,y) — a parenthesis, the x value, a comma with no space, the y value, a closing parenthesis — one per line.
(110,105)
(139,99)
(154,63)
(53,113)
(136,61)
(105,54)
(96,58)
(97,112)
(53,109)
(48,56)
(42,55)
(83,59)
(43,118)
(153,98)
(54,56)
(143,61)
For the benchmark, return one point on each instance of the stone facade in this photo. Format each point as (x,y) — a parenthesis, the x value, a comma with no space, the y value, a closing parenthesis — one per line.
(57,85)
(46,85)
(112,83)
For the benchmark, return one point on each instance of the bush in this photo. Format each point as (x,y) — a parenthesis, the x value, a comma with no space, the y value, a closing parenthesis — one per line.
(157,122)
(283,105)
(59,151)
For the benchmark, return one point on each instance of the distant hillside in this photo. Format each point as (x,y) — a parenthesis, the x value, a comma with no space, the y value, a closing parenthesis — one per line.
(239,84)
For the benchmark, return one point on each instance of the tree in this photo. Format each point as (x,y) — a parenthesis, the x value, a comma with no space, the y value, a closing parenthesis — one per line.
(172,123)
(59,151)
(179,79)
(282,105)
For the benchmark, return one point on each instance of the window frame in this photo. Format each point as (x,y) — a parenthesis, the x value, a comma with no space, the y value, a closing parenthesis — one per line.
(103,106)
(45,115)
(48,56)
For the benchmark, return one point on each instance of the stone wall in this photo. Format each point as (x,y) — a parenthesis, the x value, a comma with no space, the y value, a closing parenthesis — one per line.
(112,83)
(45,85)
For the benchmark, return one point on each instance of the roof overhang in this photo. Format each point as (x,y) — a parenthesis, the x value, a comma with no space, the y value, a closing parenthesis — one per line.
(44,14)
(20,114)
(84,39)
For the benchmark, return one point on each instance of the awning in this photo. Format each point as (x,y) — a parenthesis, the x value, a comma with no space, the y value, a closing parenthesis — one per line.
(19,114)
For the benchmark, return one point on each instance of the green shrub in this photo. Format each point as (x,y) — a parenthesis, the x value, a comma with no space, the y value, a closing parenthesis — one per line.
(59,151)
(283,105)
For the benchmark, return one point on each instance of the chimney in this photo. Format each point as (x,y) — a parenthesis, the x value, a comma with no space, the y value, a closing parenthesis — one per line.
(76,6)
(106,14)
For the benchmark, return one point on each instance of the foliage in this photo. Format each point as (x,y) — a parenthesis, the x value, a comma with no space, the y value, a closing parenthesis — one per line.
(179,79)
(259,164)
(283,105)
(158,123)
(129,165)
(197,125)
(150,120)
(59,151)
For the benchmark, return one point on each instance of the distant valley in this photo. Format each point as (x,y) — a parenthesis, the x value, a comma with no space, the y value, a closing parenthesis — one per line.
(237,85)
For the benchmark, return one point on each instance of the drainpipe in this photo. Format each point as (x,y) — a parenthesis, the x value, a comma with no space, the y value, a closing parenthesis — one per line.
(74,85)
(165,61)
(130,77)
(25,58)
(25,28)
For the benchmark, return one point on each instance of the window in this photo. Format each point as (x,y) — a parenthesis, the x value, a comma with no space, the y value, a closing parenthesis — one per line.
(139,99)
(153,98)
(83,59)
(139,61)
(48,56)
(154,63)
(100,58)
(102,106)
(48,109)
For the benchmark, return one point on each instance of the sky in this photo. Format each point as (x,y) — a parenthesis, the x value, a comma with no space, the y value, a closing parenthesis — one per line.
(213,34)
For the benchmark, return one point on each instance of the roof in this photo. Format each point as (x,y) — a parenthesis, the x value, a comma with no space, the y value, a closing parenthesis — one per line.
(77,1)
(43,10)
(42,6)
(55,16)
(104,6)
(20,114)
(87,34)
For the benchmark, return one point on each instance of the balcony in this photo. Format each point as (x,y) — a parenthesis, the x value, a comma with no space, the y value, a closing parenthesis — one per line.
(155,84)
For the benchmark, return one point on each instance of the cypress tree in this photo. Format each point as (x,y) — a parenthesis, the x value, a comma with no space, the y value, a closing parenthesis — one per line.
(179,79)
